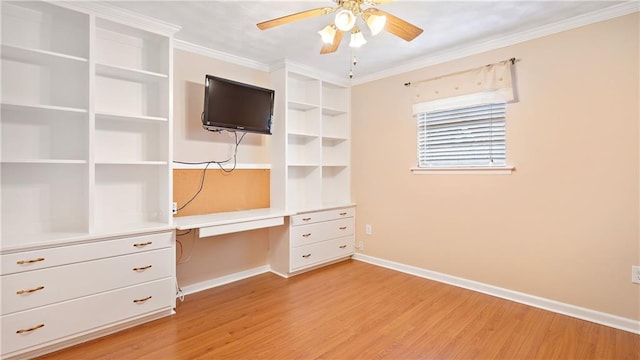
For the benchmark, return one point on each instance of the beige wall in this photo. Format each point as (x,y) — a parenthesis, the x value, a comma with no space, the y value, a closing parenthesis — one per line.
(565,224)
(190,141)
(209,258)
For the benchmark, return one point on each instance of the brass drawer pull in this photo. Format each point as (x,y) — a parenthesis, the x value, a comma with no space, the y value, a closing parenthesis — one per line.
(343,228)
(22,331)
(306,235)
(22,262)
(20,292)
(306,256)
(138,301)
(306,219)
(343,246)
(142,268)
(139,245)
(343,213)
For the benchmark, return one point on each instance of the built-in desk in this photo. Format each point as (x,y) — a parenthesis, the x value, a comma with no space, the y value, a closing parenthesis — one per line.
(310,239)
(231,222)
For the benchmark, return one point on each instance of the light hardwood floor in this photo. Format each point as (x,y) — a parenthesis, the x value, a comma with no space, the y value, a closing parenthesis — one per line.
(353,310)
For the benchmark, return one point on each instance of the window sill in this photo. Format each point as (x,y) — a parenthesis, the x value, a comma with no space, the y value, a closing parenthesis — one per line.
(496,170)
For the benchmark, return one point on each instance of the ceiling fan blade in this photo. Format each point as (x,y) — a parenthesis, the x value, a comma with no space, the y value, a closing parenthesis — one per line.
(329,48)
(294,17)
(399,27)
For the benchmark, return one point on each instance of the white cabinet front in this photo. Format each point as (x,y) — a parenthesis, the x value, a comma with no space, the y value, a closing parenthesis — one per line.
(40,259)
(46,324)
(310,255)
(31,289)
(309,234)
(313,217)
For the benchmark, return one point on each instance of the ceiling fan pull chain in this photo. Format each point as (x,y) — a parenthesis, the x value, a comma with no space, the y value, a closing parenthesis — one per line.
(354,61)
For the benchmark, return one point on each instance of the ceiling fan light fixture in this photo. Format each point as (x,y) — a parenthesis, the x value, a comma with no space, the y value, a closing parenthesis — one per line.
(328,34)
(376,23)
(357,39)
(345,20)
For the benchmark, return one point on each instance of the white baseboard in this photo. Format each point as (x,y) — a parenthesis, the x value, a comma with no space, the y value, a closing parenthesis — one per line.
(223,280)
(597,317)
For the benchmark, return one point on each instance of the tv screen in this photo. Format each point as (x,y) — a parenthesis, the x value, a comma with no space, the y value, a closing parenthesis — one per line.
(231,105)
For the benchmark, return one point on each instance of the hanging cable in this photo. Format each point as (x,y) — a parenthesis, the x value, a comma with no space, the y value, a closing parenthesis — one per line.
(219,163)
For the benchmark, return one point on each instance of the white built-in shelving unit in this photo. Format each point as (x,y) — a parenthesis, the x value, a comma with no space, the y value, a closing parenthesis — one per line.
(310,171)
(85,178)
(311,142)
(85,125)
(44,123)
(132,129)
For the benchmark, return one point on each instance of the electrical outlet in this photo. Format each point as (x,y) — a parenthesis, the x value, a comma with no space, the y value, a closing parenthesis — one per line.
(174,208)
(367,229)
(635,274)
(360,245)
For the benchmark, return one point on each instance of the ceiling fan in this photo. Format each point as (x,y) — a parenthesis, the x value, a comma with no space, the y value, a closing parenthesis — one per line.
(347,12)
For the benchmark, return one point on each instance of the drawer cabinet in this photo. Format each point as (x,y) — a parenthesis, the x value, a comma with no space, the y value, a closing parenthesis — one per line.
(42,325)
(310,255)
(40,259)
(308,234)
(30,289)
(312,239)
(318,216)
(52,295)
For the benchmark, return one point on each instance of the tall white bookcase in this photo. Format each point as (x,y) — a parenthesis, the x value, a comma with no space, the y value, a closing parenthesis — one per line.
(44,123)
(310,171)
(311,145)
(85,125)
(85,179)
(131,136)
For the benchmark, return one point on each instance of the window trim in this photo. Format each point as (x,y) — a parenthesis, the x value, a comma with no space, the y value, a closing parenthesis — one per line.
(470,170)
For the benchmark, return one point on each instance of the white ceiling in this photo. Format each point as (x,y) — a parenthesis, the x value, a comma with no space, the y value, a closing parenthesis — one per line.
(229,27)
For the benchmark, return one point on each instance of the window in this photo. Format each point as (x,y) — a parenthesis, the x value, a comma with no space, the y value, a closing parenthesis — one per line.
(461,120)
(472,136)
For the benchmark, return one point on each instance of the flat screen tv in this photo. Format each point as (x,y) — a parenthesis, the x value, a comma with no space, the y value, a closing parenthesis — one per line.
(234,106)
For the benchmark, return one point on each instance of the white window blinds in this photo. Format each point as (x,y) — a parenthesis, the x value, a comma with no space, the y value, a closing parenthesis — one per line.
(462,137)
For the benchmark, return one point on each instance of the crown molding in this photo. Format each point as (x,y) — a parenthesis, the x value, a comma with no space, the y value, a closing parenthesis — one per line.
(122,16)
(242,61)
(309,71)
(503,41)
(157,26)
(219,55)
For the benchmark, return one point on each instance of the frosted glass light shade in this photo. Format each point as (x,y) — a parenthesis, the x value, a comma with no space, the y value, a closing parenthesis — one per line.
(345,20)
(328,34)
(376,23)
(357,39)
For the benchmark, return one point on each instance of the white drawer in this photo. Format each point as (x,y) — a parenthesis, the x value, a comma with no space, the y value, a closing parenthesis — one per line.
(39,259)
(30,289)
(309,234)
(53,322)
(314,254)
(313,217)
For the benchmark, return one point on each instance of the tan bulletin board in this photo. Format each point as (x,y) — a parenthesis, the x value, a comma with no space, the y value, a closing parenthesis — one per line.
(241,189)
